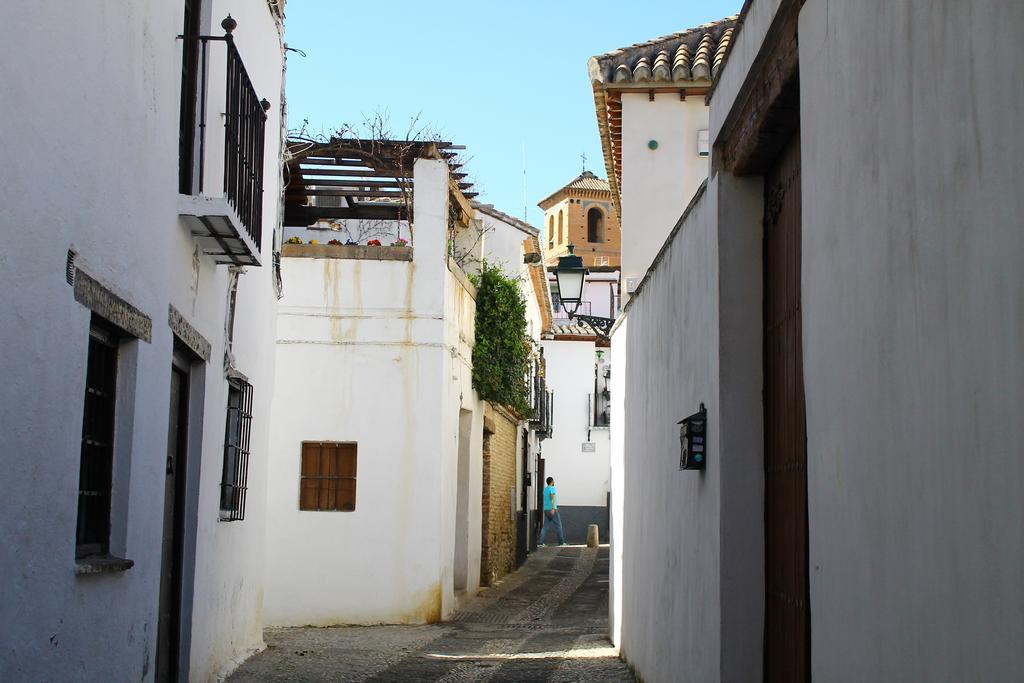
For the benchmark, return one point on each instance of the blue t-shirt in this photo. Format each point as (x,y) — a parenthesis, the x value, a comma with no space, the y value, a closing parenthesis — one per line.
(549,494)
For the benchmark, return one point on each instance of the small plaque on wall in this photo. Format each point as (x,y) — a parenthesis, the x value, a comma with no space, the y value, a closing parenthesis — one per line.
(588,447)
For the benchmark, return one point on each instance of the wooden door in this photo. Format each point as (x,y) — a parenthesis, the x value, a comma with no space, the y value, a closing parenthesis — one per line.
(787,600)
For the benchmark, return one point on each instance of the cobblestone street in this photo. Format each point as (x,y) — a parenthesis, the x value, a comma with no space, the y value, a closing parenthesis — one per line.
(545,622)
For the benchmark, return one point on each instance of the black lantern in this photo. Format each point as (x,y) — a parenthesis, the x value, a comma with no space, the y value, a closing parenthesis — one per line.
(571,276)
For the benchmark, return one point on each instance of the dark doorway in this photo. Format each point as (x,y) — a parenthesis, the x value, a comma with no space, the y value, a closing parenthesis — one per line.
(522,534)
(460,557)
(538,514)
(172,553)
(787,634)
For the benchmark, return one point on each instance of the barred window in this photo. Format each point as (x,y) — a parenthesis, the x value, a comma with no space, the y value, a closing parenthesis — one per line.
(328,478)
(236,450)
(97,454)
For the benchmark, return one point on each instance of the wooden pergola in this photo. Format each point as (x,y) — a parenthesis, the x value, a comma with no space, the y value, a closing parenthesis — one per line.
(361,179)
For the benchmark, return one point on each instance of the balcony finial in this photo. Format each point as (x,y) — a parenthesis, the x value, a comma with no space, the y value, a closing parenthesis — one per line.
(229,24)
(265,103)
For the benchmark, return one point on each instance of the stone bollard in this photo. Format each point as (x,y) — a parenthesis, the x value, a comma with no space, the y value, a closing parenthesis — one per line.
(592,537)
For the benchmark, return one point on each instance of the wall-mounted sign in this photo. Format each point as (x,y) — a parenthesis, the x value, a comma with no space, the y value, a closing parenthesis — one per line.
(588,447)
(693,440)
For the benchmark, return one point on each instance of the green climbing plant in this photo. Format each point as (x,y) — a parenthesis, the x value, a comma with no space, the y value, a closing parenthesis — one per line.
(501,355)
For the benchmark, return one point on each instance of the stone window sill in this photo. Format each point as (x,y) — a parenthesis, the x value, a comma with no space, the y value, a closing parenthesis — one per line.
(102,564)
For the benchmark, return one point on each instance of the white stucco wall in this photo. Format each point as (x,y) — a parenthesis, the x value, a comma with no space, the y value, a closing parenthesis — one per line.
(913,293)
(616,466)
(582,478)
(912,290)
(502,243)
(376,352)
(670,525)
(657,184)
(94,130)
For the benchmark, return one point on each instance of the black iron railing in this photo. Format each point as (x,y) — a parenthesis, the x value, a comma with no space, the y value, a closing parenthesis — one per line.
(245,119)
(244,123)
(542,399)
(235,475)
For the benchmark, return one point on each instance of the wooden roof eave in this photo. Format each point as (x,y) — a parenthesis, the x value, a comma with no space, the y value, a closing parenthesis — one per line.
(601,107)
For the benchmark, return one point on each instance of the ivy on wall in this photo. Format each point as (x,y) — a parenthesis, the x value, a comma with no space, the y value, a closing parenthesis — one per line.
(501,355)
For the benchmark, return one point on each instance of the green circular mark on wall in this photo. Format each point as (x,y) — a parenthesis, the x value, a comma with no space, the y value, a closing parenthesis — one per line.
(653,144)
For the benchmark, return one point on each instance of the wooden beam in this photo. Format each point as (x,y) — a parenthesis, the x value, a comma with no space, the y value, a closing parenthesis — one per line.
(461,200)
(357,183)
(308,215)
(766,111)
(340,192)
(356,173)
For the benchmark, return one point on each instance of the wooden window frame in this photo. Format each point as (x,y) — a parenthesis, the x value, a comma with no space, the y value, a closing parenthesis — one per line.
(327,491)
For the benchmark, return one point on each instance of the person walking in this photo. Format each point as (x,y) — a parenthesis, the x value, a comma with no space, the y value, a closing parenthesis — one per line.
(551,517)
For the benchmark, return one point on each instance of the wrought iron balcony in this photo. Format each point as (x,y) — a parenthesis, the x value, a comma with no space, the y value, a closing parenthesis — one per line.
(542,399)
(230,227)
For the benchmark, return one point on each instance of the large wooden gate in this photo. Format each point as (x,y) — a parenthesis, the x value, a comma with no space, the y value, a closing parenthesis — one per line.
(787,600)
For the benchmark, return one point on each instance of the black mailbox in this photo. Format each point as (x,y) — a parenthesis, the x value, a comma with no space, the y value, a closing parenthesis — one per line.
(693,441)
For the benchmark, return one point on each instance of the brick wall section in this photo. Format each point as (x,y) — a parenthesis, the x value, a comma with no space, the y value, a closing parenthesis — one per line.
(498,552)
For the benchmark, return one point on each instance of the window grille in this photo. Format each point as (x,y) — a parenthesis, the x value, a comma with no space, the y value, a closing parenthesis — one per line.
(236,450)
(328,476)
(97,453)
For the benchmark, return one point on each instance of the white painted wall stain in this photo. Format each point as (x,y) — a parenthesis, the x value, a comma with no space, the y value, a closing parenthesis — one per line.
(376,352)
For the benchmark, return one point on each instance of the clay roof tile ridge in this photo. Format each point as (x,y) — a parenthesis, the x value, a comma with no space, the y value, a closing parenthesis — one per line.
(662,67)
(642,70)
(681,63)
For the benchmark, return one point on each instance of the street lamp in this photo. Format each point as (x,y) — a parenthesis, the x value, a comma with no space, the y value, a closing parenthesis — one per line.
(570,275)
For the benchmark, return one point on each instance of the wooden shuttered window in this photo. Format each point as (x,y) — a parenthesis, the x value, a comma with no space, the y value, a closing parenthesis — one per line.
(328,476)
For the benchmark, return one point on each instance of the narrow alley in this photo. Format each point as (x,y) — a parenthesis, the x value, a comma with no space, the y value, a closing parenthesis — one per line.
(546,622)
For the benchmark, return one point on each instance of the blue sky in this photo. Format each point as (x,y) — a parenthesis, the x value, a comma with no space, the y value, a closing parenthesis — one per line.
(492,76)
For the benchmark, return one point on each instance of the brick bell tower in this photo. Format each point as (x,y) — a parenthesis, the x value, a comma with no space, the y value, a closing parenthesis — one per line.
(581,213)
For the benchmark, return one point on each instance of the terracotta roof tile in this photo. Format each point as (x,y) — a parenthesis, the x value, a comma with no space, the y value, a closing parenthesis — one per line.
(697,56)
(586,181)
(502,216)
(691,55)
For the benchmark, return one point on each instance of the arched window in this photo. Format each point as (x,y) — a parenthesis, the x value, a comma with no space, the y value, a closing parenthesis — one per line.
(551,228)
(595,225)
(559,227)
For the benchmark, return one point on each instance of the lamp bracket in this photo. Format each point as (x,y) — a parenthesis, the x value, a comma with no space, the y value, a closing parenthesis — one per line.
(600,326)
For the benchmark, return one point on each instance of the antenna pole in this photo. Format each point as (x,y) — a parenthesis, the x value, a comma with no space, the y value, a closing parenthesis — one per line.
(525,220)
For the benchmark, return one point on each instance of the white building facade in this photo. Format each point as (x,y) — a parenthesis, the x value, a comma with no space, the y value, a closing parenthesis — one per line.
(577,453)
(134,540)
(376,479)
(841,295)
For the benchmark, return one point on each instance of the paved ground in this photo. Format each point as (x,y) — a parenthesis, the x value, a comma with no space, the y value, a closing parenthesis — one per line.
(546,622)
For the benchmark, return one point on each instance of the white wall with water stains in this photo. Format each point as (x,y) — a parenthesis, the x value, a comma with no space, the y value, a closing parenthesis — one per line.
(378,353)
